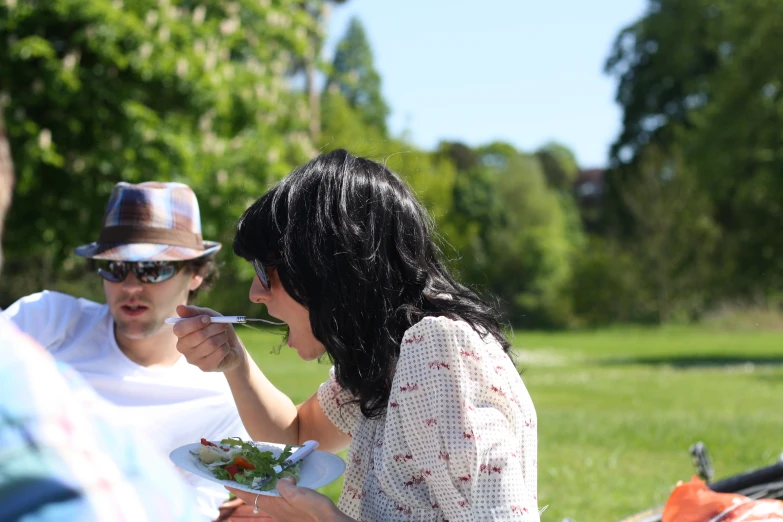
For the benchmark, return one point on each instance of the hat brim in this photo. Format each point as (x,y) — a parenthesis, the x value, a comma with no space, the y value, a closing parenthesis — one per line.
(145,251)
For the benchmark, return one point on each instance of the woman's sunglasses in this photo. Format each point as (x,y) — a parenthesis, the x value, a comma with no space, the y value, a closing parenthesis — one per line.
(150,272)
(261,272)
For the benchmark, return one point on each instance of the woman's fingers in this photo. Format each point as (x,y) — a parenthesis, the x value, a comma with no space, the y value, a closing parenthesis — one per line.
(294,503)
(203,343)
(215,360)
(192,325)
(246,497)
(212,333)
(286,486)
(273,506)
(304,497)
(192,311)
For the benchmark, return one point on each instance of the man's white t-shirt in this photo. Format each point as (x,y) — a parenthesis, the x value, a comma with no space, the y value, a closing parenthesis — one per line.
(174,406)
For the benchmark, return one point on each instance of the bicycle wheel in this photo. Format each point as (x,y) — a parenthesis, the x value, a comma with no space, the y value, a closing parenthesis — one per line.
(773,490)
(749,479)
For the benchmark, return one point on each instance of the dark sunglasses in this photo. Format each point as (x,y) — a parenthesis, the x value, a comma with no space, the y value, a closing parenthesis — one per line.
(261,272)
(150,272)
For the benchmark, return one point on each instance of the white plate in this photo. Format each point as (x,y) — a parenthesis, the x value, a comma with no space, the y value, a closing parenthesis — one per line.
(317,469)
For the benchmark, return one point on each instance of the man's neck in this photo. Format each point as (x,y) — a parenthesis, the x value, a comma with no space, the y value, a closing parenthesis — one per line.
(159,350)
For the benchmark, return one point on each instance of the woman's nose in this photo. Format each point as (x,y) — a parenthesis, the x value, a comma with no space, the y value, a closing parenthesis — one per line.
(258,293)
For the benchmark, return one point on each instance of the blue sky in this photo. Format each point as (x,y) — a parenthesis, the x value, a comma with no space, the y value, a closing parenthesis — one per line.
(513,70)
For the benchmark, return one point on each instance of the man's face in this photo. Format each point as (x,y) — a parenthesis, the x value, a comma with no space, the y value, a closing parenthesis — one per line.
(140,309)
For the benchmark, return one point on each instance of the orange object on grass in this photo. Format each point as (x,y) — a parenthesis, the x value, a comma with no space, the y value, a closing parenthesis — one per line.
(694,502)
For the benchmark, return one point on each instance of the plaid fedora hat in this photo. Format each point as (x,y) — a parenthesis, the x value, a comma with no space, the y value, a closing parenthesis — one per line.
(150,221)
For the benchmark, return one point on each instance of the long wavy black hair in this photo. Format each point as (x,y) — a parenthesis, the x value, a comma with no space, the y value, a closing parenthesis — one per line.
(353,245)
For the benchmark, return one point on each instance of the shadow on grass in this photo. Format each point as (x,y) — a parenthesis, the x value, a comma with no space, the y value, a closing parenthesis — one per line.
(771,378)
(694,361)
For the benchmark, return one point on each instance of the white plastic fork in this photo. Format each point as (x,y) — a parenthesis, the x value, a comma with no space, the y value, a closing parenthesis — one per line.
(232,319)
(301,452)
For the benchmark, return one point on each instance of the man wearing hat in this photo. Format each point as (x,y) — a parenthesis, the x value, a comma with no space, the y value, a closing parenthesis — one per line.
(151,257)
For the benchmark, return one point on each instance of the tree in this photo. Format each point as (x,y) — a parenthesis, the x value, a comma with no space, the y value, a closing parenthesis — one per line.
(354,76)
(98,91)
(514,232)
(464,157)
(559,164)
(344,127)
(673,236)
(477,207)
(700,80)
(430,176)
(308,63)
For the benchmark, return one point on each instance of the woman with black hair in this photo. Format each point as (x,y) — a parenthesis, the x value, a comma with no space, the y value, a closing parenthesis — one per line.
(423,390)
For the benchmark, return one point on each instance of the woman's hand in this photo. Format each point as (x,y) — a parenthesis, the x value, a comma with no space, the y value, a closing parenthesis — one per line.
(294,504)
(213,347)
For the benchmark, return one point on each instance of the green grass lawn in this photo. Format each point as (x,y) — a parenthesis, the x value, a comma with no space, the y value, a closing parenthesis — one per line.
(618,409)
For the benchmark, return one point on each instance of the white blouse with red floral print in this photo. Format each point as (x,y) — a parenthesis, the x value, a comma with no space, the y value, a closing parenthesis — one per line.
(458,441)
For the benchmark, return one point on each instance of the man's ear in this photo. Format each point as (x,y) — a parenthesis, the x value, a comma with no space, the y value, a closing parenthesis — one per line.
(195,281)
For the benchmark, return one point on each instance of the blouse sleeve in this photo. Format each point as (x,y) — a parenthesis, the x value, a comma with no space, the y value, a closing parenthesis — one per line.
(465,423)
(337,405)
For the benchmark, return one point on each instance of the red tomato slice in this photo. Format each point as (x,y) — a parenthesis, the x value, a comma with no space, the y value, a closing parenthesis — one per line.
(205,442)
(232,469)
(243,463)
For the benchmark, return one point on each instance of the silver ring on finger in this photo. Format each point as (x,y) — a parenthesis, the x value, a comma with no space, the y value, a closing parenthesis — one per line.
(255,505)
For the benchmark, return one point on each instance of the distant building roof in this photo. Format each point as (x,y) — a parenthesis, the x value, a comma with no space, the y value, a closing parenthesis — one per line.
(594,175)
(589,184)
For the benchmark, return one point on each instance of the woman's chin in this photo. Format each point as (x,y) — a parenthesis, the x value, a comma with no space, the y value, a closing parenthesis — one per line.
(309,353)
(306,355)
